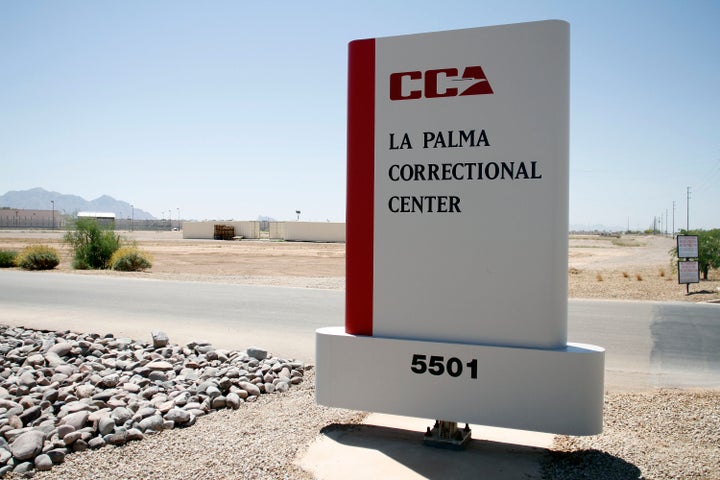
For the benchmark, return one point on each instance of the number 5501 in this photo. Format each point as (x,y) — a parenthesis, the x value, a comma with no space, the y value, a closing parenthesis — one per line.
(436,365)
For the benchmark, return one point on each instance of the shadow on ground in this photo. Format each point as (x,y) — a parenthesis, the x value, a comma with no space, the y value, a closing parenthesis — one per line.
(481,458)
(587,464)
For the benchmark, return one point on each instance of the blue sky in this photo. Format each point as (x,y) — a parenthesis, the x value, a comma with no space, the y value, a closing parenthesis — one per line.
(233,109)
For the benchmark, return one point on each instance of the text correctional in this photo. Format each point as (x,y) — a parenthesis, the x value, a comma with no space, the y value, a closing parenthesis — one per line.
(421,172)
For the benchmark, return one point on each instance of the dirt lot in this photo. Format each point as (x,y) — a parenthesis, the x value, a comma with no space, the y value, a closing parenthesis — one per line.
(629,267)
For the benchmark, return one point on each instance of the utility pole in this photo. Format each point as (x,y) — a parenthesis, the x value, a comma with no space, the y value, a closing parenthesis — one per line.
(687,216)
(673,231)
(666,221)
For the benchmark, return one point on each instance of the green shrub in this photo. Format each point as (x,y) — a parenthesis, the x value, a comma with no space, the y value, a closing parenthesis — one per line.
(7,258)
(38,257)
(92,244)
(130,259)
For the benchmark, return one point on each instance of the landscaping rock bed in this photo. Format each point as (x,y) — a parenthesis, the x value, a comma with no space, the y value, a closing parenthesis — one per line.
(64,392)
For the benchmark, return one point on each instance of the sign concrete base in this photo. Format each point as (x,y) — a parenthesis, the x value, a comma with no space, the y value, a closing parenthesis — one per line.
(544,390)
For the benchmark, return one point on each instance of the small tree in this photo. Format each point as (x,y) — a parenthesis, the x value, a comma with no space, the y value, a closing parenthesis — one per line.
(708,249)
(93,245)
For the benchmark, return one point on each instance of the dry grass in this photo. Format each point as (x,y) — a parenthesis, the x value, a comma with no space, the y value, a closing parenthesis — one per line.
(615,285)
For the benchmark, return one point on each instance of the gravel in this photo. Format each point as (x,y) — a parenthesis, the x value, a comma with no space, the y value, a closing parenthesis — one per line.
(260,440)
(658,435)
(62,393)
(666,434)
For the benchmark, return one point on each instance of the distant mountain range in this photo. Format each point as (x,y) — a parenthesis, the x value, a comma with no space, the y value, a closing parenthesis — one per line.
(40,199)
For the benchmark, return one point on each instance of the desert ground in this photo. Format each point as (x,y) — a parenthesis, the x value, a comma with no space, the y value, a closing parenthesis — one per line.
(607,267)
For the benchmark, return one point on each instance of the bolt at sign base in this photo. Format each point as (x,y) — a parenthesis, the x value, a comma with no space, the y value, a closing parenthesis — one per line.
(447,435)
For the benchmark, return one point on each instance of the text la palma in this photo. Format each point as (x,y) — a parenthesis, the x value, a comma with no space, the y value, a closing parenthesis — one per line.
(449,139)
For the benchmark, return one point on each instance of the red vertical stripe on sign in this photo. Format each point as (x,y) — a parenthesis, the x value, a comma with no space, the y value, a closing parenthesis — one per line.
(360,188)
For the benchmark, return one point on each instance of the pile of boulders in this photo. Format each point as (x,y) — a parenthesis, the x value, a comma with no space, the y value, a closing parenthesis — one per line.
(63,392)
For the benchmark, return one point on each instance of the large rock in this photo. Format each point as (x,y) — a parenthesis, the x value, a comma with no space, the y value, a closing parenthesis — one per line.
(5,455)
(257,353)
(63,430)
(251,388)
(160,339)
(154,423)
(57,455)
(178,416)
(30,415)
(119,438)
(36,359)
(60,349)
(43,463)
(134,434)
(160,365)
(106,425)
(28,445)
(77,420)
(96,442)
(232,400)
(121,415)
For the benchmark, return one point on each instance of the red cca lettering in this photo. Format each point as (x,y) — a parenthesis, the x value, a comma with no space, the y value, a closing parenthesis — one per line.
(430,89)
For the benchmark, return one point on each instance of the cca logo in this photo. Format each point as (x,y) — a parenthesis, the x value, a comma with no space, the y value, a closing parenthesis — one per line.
(418,85)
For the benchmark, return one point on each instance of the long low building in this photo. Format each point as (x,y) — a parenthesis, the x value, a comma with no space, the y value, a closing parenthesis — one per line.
(28,218)
(289,231)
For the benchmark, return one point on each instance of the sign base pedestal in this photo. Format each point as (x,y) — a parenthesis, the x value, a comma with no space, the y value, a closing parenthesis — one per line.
(545,390)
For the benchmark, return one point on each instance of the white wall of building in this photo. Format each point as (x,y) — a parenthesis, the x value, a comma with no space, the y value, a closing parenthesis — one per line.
(290,231)
(277,229)
(206,230)
(314,232)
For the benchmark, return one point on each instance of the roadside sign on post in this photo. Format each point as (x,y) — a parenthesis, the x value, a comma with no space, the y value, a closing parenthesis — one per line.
(456,289)
(687,246)
(688,272)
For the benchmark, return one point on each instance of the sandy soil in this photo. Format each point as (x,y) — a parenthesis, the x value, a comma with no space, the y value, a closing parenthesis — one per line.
(635,268)
(631,268)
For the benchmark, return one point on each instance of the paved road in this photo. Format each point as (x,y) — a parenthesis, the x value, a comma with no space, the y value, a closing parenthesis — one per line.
(282,320)
(648,343)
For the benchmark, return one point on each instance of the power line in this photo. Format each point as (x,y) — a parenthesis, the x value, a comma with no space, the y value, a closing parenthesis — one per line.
(711,179)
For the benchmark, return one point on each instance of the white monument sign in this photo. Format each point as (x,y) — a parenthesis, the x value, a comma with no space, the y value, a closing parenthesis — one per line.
(456,294)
